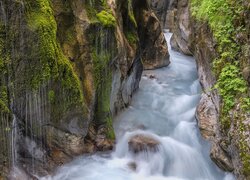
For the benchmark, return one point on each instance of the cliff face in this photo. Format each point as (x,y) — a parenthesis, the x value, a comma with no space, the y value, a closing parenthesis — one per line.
(67,67)
(151,38)
(221,48)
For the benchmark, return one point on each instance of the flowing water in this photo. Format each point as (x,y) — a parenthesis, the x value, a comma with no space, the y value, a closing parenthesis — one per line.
(164,109)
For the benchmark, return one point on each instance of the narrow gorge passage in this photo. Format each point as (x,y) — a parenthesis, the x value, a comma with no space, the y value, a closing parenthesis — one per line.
(163,110)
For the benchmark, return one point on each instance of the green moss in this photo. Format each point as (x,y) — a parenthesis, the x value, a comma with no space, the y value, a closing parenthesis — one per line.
(99,12)
(51,96)
(3,107)
(106,18)
(52,65)
(131,13)
(131,37)
(103,48)
(230,85)
(222,16)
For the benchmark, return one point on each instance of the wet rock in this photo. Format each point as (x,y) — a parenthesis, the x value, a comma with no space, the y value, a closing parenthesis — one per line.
(152,76)
(164,10)
(102,142)
(89,148)
(170,19)
(220,158)
(207,117)
(142,143)
(19,174)
(132,166)
(67,142)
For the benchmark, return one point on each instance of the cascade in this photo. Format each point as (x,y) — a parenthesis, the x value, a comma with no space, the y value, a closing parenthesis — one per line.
(162,118)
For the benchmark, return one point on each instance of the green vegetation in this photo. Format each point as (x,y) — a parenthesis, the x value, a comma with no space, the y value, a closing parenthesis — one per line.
(99,12)
(106,18)
(3,70)
(130,25)
(51,96)
(51,64)
(131,37)
(223,18)
(101,57)
(230,86)
(226,20)
(131,13)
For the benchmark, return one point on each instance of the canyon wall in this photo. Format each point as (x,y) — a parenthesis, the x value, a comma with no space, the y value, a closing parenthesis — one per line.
(67,67)
(221,48)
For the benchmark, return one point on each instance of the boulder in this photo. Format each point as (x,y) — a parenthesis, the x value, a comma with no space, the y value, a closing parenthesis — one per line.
(141,143)
(132,166)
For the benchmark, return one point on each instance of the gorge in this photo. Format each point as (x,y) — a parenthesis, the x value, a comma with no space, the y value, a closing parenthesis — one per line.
(75,102)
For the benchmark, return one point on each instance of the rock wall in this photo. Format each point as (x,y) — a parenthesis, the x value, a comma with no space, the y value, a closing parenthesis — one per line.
(165,11)
(67,67)
(152,41)
(230,141)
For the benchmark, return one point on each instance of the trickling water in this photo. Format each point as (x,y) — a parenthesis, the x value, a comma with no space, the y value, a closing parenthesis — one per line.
(164,109)
(14,136)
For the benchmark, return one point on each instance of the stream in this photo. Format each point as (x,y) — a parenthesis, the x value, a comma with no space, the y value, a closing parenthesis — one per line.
(163,108)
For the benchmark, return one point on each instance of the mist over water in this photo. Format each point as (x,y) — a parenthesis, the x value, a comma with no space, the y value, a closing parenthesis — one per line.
(164,109)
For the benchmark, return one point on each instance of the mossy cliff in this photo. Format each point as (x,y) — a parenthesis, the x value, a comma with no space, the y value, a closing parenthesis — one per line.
(217,34)
(67,67)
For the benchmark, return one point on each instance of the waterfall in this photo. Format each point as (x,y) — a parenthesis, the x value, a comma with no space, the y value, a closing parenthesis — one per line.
(36,115)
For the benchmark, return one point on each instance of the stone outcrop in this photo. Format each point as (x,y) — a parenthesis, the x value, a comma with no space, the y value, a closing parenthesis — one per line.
(67,67)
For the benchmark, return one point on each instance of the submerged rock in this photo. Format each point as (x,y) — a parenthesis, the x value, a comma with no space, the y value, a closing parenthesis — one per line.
(132,166)
(143,143)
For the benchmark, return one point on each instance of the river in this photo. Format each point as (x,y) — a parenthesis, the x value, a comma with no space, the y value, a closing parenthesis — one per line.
(163,108)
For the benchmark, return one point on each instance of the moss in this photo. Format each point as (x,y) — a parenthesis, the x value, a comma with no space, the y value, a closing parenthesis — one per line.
(99,12)
(52,65)
(104,46)
(131,37)
(131,13)
(51,96)
(222,16)
(3,107)
(106,18)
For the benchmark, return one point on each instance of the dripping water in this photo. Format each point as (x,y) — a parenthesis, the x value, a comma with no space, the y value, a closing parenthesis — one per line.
(14,136)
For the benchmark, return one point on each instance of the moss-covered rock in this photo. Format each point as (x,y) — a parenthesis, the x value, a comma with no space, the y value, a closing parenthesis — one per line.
(65,67)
